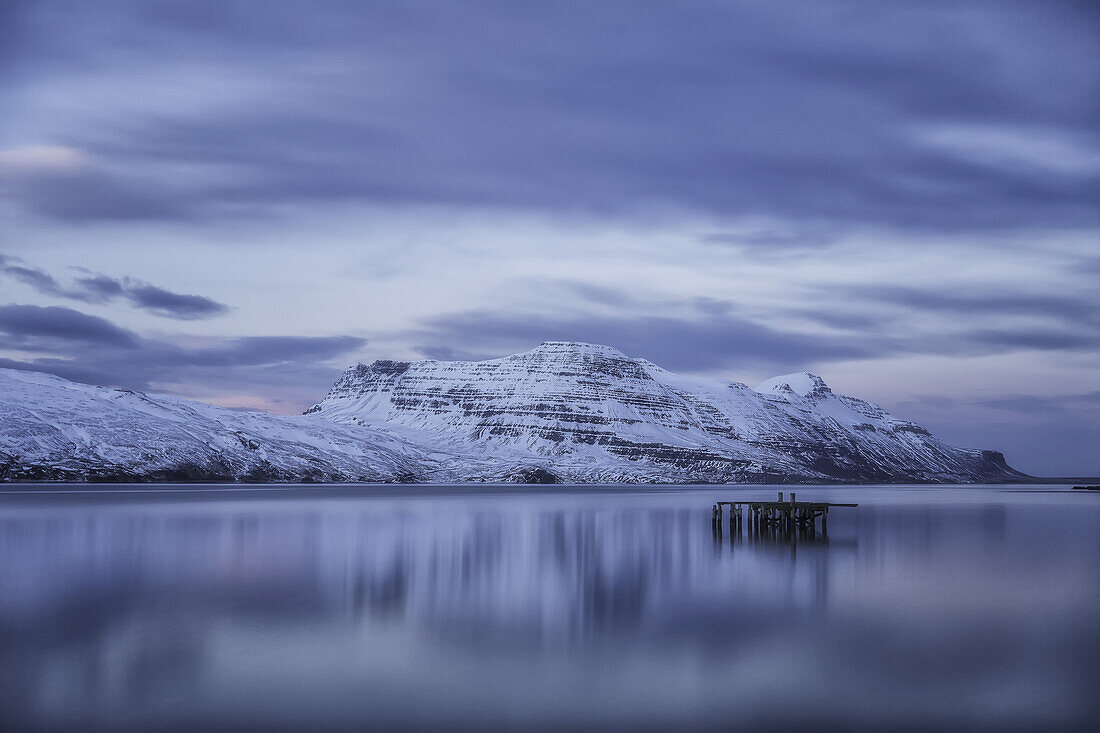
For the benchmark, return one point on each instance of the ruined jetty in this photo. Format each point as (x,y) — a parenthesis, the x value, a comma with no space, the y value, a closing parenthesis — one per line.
(785,517)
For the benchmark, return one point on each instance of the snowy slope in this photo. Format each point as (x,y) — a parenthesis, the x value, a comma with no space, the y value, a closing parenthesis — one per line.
(54,429)
(567,411)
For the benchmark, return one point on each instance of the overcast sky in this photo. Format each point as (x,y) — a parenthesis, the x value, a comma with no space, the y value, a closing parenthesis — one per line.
(232,201)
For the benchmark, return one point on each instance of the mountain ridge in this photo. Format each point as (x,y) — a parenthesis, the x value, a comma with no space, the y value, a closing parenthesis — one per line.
(562,411)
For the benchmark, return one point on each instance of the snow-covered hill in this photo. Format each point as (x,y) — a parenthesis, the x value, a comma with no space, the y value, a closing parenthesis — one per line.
(53,429)
(562,411)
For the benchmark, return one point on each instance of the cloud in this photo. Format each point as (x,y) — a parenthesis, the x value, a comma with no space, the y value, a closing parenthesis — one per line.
(702,334)
(170,305)
(66,184)
(31,325)
(1036,151)
(598,294)
(84,348)
(979,300)
(98,288)
(257,350)
(845,318)
(969,320)
(1024,339)
(32,159)
(678,343)
(805,237)
(833,113)
(1031,405)
(37,279)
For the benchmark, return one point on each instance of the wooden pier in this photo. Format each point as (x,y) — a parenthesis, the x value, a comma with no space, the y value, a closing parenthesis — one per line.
(774,517)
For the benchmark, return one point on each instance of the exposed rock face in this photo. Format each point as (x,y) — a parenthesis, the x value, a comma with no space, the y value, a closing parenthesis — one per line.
(562,412)
(589,413)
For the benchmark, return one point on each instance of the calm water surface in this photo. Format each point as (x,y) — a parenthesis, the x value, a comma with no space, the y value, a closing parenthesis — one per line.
(437,607)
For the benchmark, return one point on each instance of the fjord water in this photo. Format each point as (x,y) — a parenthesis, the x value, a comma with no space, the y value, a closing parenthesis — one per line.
(319,608)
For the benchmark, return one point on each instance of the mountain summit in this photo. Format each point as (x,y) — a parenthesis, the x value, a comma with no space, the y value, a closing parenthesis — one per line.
(563,411)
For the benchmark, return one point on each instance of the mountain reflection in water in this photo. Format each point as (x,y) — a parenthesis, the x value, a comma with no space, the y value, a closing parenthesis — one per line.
(927,608)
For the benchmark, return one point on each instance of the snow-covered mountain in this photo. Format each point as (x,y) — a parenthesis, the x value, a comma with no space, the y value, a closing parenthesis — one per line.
(562,411)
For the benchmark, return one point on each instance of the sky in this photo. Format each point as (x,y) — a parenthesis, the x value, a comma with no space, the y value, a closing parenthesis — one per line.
(232,201)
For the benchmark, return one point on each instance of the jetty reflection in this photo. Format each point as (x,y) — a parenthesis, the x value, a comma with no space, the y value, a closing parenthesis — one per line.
(764,535)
